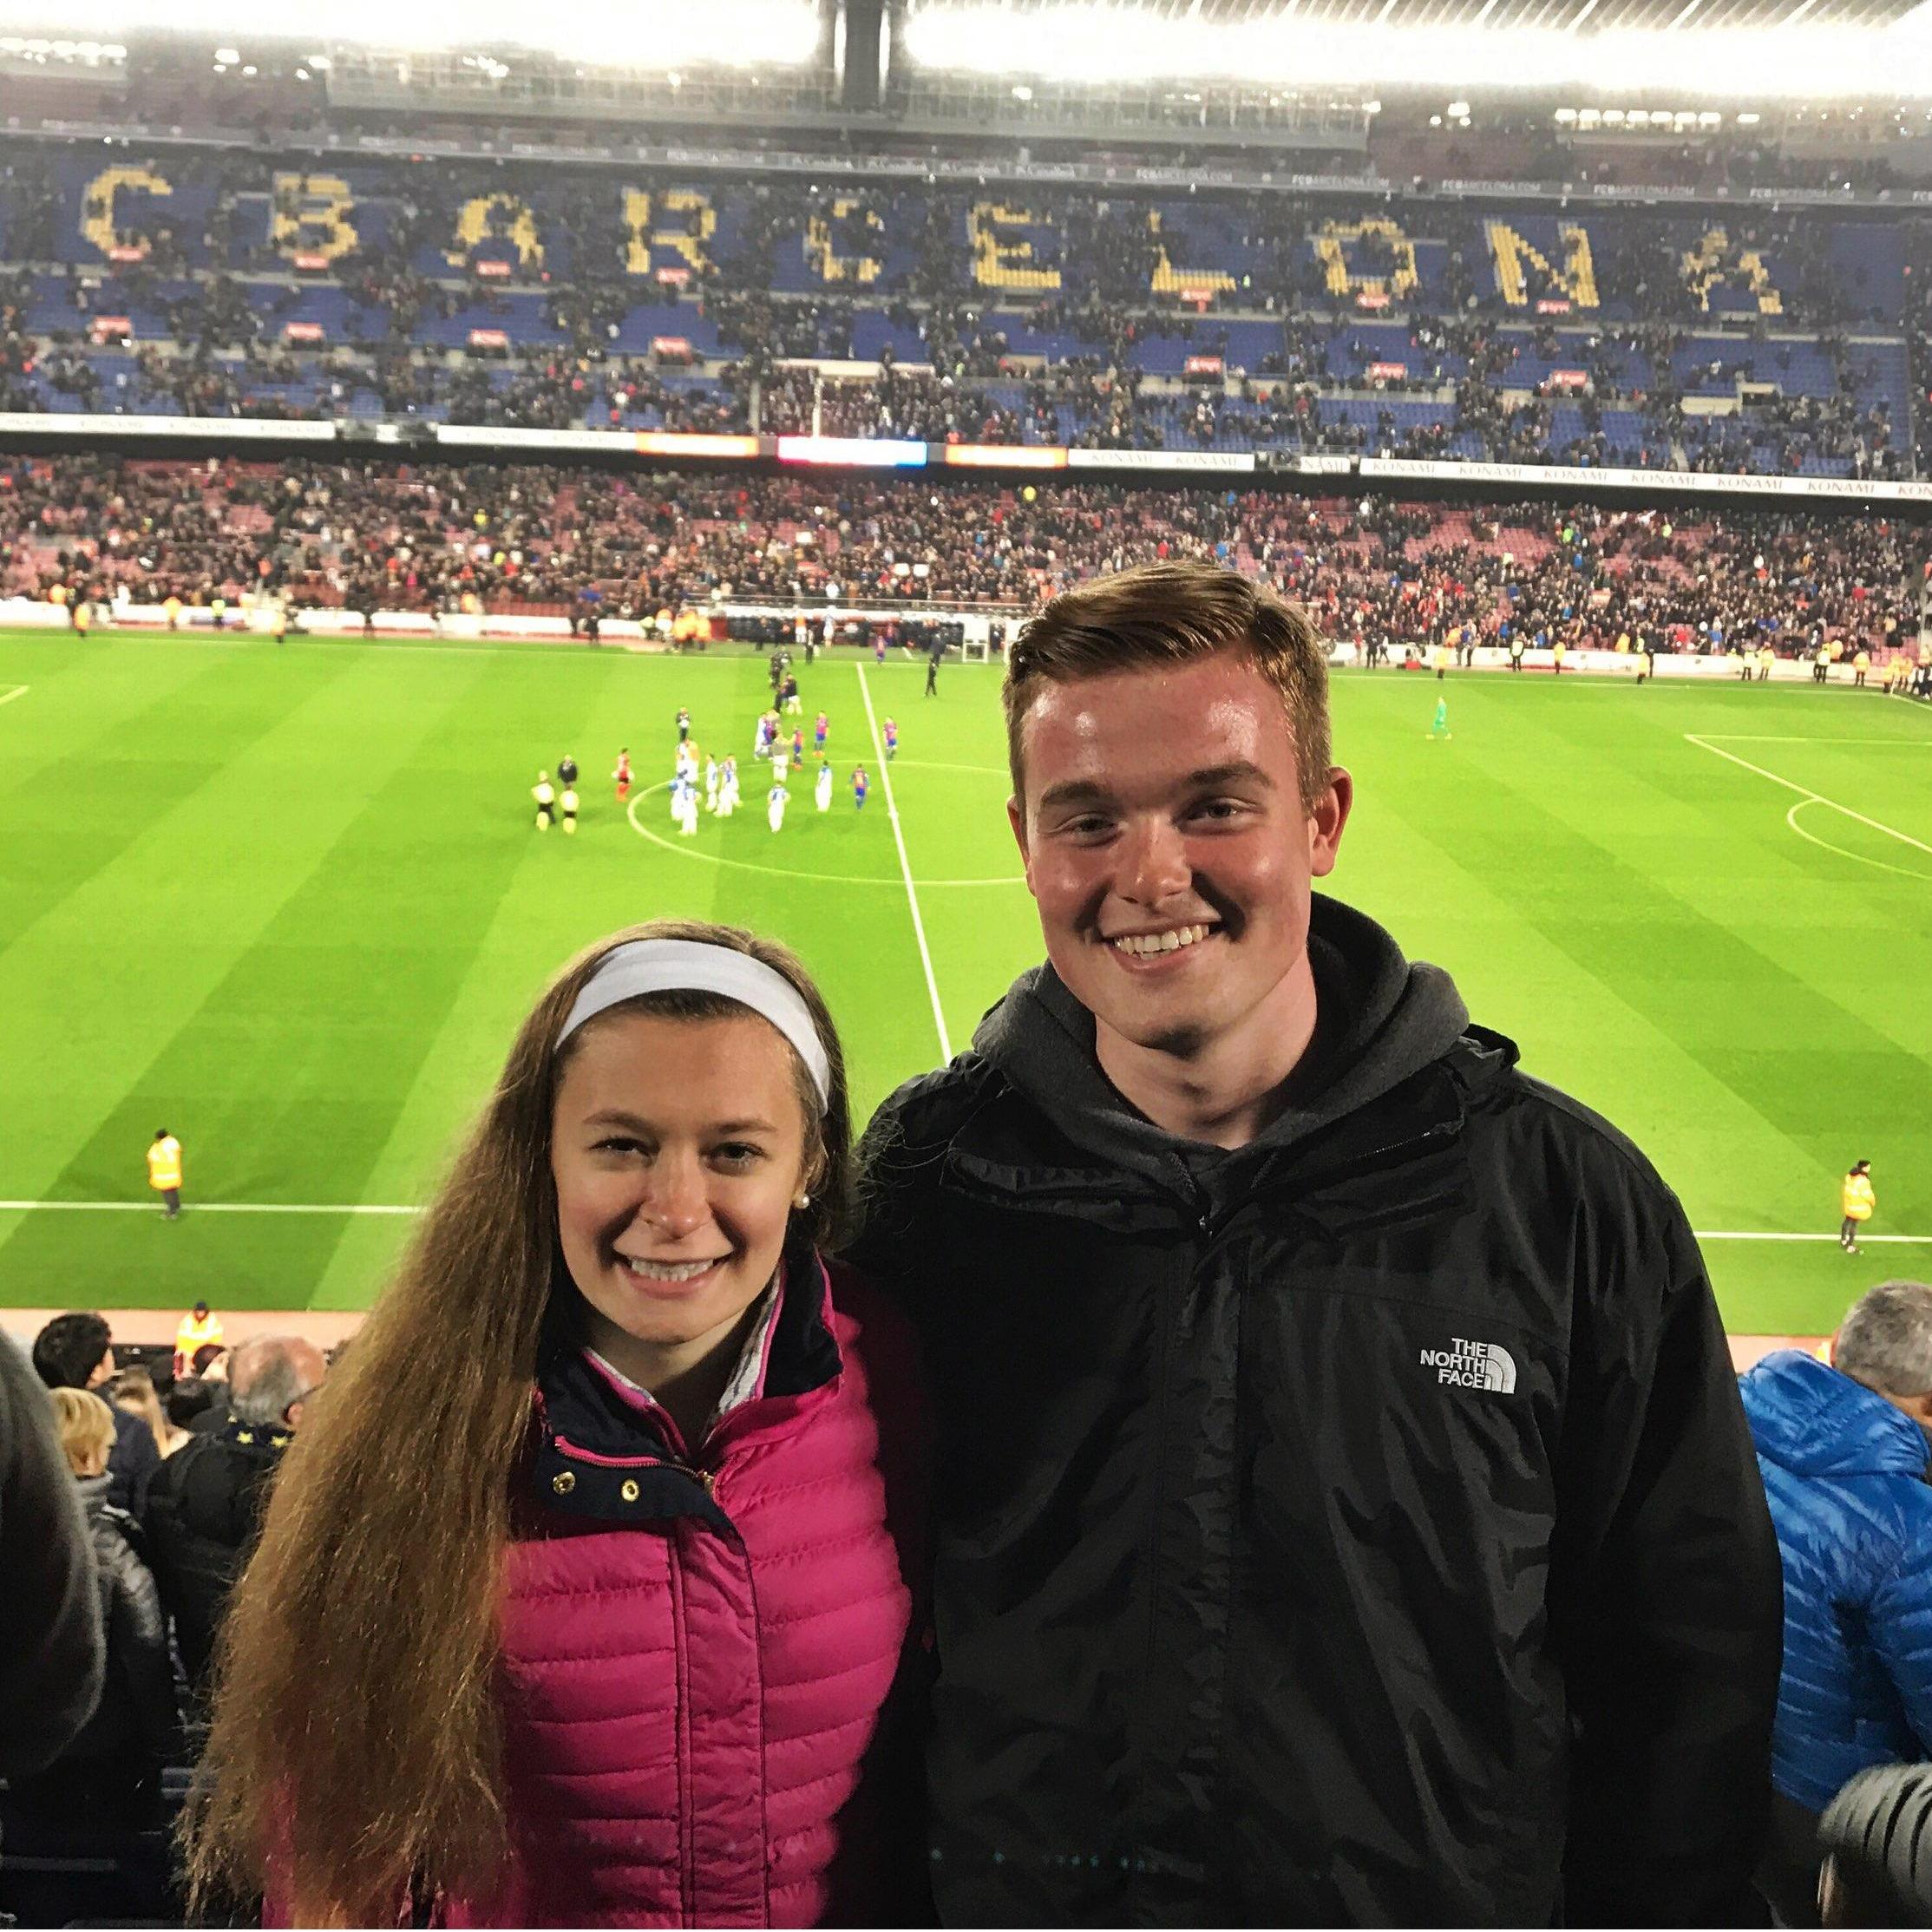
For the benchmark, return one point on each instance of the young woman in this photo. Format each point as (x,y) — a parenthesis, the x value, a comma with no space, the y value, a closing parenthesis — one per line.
(584,1592)
(133,1389)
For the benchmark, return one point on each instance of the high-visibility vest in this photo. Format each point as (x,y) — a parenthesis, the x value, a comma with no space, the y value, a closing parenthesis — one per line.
(164,1164)
(1857,1197)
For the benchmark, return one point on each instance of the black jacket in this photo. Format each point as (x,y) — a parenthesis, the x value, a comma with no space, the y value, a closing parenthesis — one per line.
(50,1644)
(131,1463)
(1359,1527)
(136,1728)
(204,1507)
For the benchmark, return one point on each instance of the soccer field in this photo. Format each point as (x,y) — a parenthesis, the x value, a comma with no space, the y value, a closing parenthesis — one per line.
(288,903)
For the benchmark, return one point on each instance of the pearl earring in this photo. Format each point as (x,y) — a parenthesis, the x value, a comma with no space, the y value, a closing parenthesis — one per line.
(802,1201)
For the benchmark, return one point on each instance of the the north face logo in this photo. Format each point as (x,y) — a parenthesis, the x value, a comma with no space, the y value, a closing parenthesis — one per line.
(1466,1364)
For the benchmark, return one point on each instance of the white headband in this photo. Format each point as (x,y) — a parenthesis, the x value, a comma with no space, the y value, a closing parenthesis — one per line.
(690,965)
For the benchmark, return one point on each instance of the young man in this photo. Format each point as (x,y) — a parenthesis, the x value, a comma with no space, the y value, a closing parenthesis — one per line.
(567,771)
(891,731)
(566,800)
(546,796)
(822,727)
(1346,1513)
(776,801)
(822,786)
(860,784)
(164,1171)
(622,774)
(683,723)
(728,787)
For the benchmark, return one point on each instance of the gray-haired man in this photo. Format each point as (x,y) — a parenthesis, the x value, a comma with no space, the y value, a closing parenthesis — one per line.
(1844,1452)
(205,1504)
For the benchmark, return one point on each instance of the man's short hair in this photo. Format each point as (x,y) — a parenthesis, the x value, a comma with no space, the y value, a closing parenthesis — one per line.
(1886,1340)
(205,1357)
(1176,613)
(68,1350)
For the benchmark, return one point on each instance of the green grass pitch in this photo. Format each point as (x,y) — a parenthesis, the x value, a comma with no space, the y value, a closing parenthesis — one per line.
(288,902)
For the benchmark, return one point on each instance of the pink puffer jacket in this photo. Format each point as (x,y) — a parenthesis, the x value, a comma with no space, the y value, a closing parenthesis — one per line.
(699,1654)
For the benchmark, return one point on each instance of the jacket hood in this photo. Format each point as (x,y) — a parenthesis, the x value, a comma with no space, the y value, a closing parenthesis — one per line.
(1382,1017)
(1813,1421)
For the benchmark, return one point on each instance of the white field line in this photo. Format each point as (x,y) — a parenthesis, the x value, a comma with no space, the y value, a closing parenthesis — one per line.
(17,690)
(1786,737)
(202,1208)
(1814,797)
(365,1207)
(905,866)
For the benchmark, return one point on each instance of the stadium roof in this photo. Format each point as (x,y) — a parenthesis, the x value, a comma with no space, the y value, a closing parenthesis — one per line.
(1588,16)
(1600,49)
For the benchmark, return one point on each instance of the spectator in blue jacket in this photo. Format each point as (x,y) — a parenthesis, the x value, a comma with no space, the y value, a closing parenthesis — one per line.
(1844,1452)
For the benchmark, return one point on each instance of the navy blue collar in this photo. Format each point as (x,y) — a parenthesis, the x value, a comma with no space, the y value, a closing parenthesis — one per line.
(598,1454)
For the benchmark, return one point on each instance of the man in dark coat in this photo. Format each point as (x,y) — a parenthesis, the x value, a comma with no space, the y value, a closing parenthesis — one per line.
(204,1508)
(77,1351)
(1344,1512)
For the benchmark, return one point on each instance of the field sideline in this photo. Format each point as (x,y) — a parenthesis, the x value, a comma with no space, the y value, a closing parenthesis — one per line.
(288,902)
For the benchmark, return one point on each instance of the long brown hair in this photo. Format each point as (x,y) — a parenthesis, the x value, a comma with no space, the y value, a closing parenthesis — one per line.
(355,1747)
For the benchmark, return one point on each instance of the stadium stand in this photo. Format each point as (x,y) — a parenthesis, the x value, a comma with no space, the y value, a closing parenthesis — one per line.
(223,282)
(523,540)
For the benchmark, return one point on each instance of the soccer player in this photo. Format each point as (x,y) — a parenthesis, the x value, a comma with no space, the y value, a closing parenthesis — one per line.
(822,786)
(859,783)
(164,1171)
(878,648)
(710,785)
(1858,1199)
(567,771)
(568,802)
(622,774)
(776,801)
(780,760)
(687,820)
(684,724)
(687,759)
(821,726)
(1439,726)
(891,740)
(798,747)
(728,787)
(546,796)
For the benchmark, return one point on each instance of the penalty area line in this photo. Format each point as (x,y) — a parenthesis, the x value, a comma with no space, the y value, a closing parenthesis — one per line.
(1810,797)
(13,691)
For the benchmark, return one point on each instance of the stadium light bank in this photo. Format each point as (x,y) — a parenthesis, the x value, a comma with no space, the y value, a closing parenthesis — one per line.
(737,33)
(1090,41)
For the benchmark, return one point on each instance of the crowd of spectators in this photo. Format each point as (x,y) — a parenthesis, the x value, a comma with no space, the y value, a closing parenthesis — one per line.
(170,1471)
(225,355)
(442,537)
